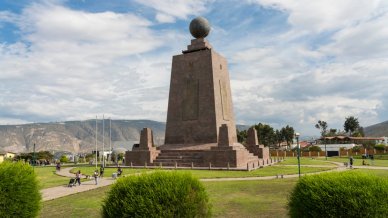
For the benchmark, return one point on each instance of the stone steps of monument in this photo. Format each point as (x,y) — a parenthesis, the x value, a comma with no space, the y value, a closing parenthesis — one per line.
(182,158)
(172,164)
(160,157)
(188,160)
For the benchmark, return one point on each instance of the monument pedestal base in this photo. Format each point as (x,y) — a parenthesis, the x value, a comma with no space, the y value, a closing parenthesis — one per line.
(259,151)
(235,156)
(141,157)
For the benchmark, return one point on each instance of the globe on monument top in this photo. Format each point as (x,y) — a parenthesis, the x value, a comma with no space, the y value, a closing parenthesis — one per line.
(199,27)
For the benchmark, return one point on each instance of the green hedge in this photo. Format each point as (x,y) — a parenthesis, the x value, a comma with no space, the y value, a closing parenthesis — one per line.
(158,194)
(339,194)
(19,190)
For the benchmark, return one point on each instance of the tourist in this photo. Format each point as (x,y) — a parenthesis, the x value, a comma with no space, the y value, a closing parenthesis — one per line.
(95,175)
(101,172)
(78,177)
(351,161)
(119,171)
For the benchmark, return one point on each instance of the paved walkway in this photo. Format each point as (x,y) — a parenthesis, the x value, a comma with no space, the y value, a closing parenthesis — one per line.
(61,191)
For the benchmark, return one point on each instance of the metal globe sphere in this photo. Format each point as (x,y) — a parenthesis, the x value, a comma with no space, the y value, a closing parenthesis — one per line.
(199,27)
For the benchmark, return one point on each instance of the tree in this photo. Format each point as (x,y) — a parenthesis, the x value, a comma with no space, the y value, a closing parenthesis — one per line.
(351,125)
(288,133)
(279,137)
(322,126)
(242,136)
(265,134)
(332,132)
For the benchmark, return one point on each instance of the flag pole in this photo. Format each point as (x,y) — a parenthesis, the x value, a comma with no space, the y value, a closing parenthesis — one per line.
(110,138)
(96,143)
(103,148)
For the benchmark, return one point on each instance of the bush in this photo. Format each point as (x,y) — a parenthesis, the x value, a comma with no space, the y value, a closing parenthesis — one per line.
(19,191)
(315,148)
(345,194)
(160,194)
(64,159)
(380,147)
(356,148)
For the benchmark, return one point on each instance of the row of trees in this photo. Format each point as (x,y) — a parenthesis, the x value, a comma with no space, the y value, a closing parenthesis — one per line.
(267,135)
(351,127)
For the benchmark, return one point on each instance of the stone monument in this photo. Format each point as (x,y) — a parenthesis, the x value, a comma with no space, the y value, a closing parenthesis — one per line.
(200,127)
(200,96)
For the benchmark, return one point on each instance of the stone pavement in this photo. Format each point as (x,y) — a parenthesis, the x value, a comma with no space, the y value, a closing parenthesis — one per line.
(61,191)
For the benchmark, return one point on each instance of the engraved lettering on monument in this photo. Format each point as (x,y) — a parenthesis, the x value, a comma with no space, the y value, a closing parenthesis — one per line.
(190,102)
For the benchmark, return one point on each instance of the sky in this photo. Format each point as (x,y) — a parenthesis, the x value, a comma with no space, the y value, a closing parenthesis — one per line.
(290,62)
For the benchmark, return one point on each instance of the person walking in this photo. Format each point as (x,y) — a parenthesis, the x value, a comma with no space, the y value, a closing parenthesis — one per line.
(95,175)
(101,172)
(78,177)
(119,171)
(351,162)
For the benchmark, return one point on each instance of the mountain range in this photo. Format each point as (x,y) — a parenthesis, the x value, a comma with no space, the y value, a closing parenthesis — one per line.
(76,136)
(80,136)
(377,130)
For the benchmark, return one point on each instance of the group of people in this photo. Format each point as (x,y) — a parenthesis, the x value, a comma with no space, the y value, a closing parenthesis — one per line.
(97,174)
(364,162)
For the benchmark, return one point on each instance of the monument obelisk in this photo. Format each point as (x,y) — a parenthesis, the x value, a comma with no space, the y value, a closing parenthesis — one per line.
(200,128)
(200,96)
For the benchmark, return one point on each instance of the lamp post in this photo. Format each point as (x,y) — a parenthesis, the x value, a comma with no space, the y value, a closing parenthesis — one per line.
(297,144)
(325,148)
(33,159)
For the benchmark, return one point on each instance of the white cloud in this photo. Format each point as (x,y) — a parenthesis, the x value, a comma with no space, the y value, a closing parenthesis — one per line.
(327,63)
(317,16)
(169,10)
(164,18)
(74,64)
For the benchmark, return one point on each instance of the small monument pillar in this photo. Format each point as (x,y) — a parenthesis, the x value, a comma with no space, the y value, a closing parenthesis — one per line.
(224,139)
(145,153)
(252,139)
(254,147)
(146,139)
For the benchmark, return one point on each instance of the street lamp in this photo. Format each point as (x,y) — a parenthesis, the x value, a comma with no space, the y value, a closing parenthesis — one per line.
(298,146)
(33,159)
(324,139)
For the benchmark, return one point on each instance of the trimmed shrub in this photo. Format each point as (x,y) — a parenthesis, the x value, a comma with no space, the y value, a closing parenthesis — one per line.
(159,194)
(19,191)
(339,194)
(356,148)
(380,147)
(64,159)
(315,148)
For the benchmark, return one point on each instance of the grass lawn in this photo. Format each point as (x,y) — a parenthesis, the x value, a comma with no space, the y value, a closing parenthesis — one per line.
(89,170)
(47,177)
(380,173)
(266,171)
(267,198)
(358,162)
(85,204)
(229,199)
(304,161)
